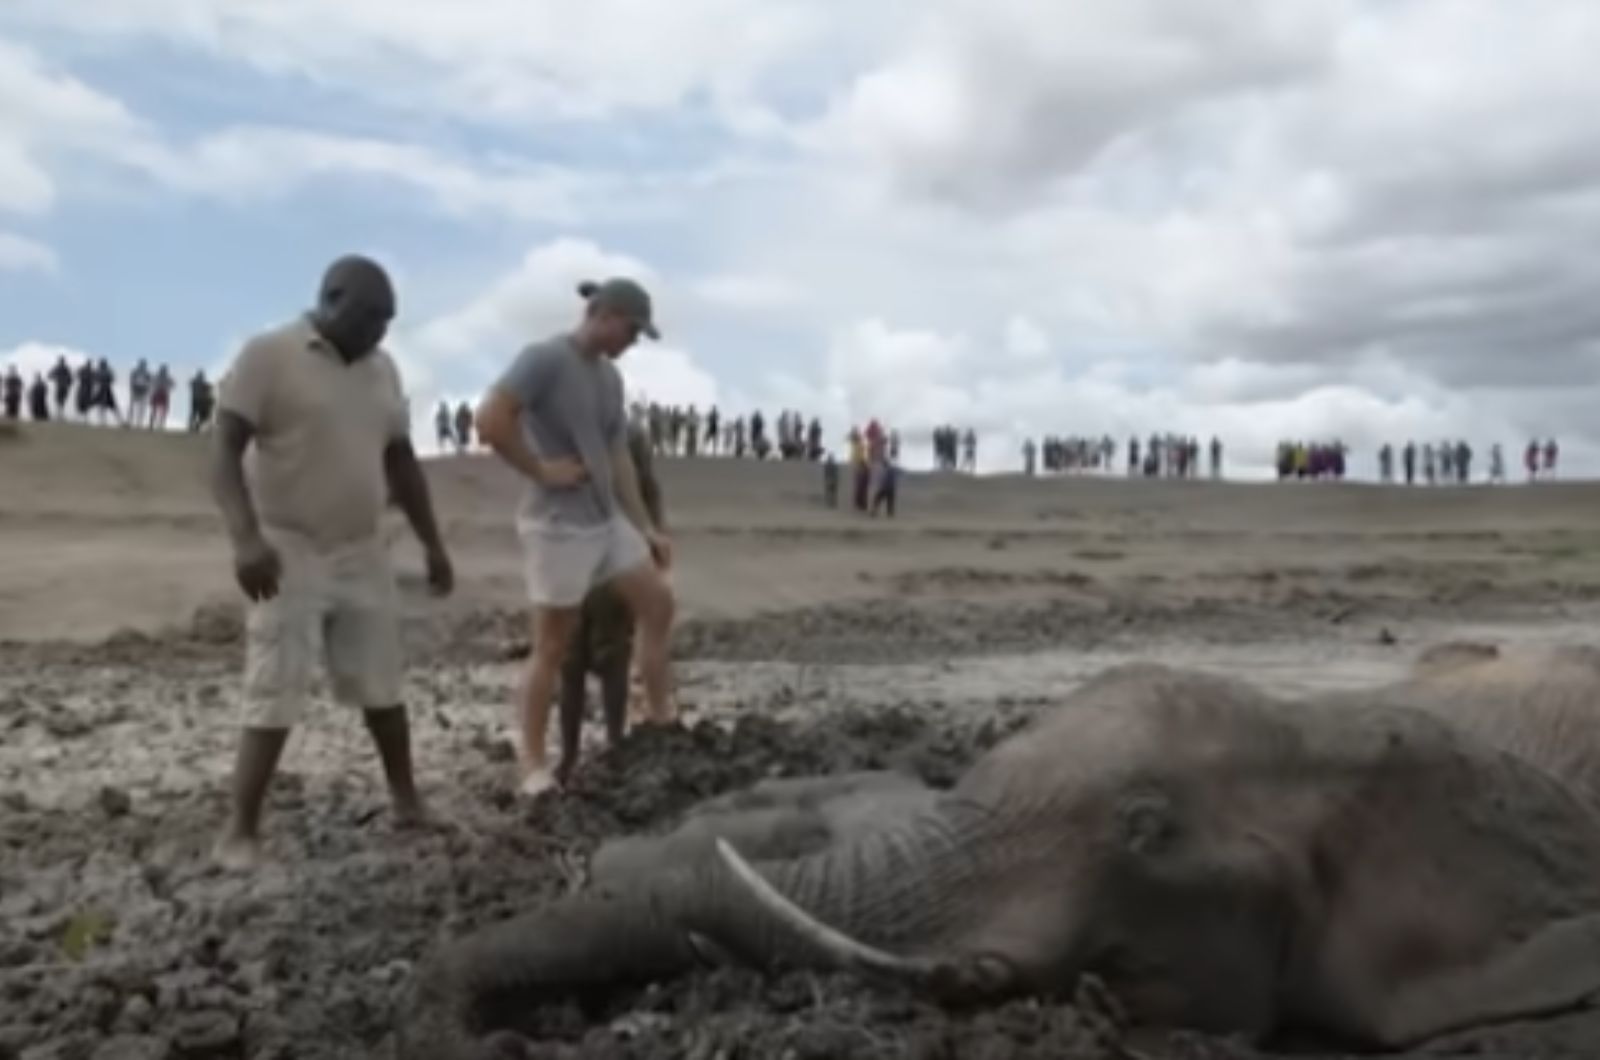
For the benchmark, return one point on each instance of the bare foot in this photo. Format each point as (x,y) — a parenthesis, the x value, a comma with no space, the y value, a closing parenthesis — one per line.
(238,853)
(669,716)
(536,780)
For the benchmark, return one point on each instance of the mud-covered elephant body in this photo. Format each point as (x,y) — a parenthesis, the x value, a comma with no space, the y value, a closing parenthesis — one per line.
(1363,866)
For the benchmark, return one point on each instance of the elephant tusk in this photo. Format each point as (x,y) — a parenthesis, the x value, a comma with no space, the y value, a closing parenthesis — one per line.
(832,943)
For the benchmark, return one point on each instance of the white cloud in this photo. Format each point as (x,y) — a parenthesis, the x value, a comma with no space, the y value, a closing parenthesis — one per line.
(32,358)
(1026,340)
(51,122)
(990,102)
(24,185)
(1261,220)
(251,163)
(748,293)
(18,254)
(495,60)
(43,114)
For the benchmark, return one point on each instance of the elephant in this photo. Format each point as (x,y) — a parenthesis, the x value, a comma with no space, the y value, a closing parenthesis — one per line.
(775,819)
(1378,868)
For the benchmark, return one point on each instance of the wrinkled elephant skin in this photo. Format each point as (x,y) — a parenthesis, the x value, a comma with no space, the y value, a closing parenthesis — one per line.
(1381,867)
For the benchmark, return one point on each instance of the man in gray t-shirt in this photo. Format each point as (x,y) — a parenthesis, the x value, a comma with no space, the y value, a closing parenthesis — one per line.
(557,416)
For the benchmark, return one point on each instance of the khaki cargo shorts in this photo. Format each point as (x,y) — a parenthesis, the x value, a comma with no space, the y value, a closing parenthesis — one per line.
(561,564)
(340,604)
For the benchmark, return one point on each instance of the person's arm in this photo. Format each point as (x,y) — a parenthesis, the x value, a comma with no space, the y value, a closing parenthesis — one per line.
(498,415)
(499,430)
(245,400)
(246,393)
(409,488)
(625,483)
(644,470)
(228,488)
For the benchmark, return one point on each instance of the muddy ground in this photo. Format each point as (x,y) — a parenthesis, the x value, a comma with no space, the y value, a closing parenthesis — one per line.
(811,640)
(118,940)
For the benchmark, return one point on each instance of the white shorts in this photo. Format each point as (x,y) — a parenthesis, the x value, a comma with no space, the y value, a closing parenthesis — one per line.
(341,603)
(562,564)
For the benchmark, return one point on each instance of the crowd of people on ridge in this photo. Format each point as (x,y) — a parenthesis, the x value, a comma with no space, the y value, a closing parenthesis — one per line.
(88,392)
(684,431)
(1162,456)
(1312,460)
(1451,462)
(677,430)
(874,454)
(955,449)
(1063,455)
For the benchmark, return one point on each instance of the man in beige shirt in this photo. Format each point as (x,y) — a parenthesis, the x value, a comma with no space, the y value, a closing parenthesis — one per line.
(323,405)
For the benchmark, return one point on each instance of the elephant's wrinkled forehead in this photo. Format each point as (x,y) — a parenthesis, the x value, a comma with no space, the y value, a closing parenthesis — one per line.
(1134,725)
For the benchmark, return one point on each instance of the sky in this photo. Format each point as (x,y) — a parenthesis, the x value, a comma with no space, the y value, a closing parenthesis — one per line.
(1370,220)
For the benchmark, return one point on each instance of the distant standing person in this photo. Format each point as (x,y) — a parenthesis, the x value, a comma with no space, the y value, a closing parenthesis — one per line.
(61,379)
(12,386)
(885,481)
(85,392)
(201,401)
(557,416)
(442,427)
(139,394)
(323,405)
(463,427)
(160,398)
(105,392)
(39,398)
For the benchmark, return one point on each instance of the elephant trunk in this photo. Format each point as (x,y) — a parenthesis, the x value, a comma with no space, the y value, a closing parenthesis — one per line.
(476,985)
(890,903)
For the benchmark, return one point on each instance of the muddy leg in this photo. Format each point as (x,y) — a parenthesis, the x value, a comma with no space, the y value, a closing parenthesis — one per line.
(553,632)
(615,675)
(574,678)
(649,599)
(391,734)
(257,760)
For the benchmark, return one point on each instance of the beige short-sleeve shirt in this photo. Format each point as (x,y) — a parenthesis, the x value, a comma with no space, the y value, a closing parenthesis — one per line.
(321,428)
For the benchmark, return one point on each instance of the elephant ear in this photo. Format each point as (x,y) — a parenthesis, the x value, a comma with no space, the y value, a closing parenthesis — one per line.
(1147,822)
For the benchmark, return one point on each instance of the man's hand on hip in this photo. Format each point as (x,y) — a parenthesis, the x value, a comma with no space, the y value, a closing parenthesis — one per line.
(561,472)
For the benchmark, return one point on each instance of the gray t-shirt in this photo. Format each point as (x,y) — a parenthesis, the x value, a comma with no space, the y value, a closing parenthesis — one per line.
(571,407)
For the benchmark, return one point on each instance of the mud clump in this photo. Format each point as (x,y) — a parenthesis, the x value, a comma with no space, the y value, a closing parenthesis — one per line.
(737,1013)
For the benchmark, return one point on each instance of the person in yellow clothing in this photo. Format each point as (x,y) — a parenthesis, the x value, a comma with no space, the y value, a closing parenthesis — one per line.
(859,468)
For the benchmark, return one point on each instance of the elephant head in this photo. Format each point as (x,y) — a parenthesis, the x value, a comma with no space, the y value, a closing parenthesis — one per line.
(1080,845)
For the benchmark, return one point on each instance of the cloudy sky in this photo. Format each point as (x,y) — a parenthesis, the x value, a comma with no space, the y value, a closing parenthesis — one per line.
(1370,219)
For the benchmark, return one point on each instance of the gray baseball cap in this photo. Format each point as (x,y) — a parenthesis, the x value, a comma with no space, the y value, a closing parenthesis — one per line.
(624,297)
